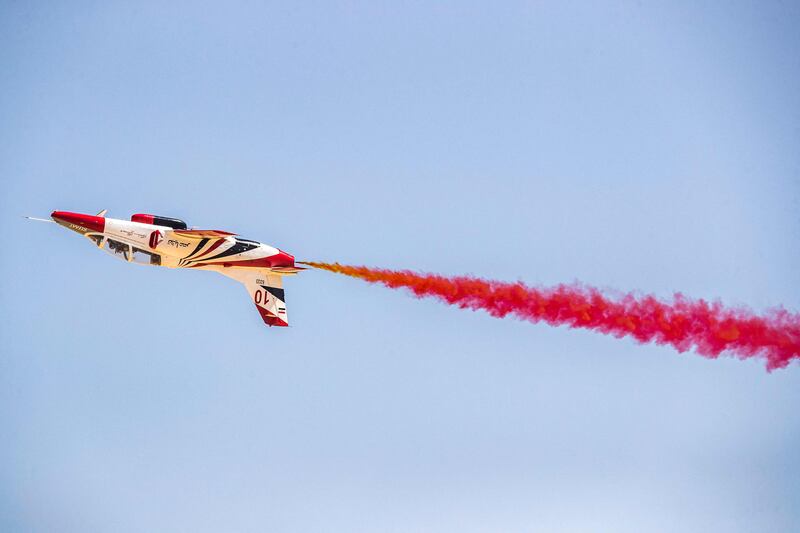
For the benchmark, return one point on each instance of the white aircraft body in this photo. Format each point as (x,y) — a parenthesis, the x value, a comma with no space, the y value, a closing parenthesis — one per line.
(168,242)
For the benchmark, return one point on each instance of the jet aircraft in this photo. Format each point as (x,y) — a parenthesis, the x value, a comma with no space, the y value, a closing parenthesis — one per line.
(168,242)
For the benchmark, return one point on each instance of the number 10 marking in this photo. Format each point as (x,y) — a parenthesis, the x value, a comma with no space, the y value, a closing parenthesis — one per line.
(259,296)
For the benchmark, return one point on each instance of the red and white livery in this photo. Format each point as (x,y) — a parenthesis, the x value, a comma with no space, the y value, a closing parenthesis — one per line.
(168,242)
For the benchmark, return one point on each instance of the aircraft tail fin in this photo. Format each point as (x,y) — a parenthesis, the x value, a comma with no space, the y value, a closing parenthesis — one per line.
(272,304)
(266,292)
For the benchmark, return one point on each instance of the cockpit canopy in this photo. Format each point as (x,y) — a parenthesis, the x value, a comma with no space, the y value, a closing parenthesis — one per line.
(157,220)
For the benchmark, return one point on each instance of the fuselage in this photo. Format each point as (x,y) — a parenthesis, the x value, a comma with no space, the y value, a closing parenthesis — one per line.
(142,240)
(168,242)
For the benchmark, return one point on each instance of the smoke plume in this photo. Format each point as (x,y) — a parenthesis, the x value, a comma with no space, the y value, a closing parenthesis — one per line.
(708,328)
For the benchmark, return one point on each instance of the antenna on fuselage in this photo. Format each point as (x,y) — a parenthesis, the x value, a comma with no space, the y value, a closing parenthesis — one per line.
(102,213)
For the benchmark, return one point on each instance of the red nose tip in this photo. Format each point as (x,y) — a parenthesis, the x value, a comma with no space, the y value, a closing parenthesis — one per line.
(89,222)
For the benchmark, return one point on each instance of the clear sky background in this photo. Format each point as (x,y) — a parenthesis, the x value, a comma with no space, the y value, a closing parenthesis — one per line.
(625,145)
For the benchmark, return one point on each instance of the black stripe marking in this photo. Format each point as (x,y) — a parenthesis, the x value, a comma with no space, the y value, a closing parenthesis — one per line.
(238,248)
(202,243)
(276,292)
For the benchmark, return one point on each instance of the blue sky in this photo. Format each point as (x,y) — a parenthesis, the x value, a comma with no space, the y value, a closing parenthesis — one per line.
(626,145)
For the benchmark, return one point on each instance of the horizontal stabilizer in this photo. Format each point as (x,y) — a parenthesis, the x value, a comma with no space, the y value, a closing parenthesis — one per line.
(287,270)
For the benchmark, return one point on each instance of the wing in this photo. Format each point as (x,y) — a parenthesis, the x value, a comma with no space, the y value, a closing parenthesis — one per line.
(266,292)
(201,233)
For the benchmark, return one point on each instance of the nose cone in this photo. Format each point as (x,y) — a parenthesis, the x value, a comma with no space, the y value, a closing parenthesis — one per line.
(79,222)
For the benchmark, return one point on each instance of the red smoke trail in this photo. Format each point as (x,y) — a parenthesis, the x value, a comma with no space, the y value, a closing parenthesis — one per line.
(709,328)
